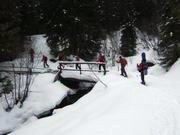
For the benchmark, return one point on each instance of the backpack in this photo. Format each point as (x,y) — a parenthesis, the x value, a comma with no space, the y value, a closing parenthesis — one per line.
(124,62)
(139,67)
(142,67)
(101,58)
(45,58)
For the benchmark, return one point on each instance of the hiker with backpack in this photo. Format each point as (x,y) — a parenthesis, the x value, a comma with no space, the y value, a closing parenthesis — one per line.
(142,68)
(61,56)
(44,60)
(31,53)
(101,60)
(78,66)
(123,63)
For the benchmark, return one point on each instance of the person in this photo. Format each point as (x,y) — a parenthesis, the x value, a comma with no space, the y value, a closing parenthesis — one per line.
(61,56)
(123,63)
(44,60)
(31,52)
(101,59)
(142,68)
(78,66)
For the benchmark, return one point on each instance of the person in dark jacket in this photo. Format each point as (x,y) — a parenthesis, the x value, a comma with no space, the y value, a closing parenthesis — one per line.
(101,59)
(142,67)
(123,63)
(44,60)
(78,66)
(61,56)
(31,53)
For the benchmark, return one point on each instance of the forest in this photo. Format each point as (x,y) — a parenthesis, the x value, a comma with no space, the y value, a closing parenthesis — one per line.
(93,35)
(78,26)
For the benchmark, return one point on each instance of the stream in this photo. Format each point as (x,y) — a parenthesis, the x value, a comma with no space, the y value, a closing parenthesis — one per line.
(79,88)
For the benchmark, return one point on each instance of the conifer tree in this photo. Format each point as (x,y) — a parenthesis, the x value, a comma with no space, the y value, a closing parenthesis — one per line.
(128,41)
(80,26)
(10,36)
(170,32)
(30,17)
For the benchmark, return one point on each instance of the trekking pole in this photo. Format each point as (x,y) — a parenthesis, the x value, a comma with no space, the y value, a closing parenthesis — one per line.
(97,77)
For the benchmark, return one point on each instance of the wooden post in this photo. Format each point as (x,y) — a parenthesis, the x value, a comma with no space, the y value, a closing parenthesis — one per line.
(60,67)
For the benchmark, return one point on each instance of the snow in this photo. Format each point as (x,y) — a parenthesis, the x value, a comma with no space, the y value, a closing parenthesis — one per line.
(39,44)
(44,95)
(125,107)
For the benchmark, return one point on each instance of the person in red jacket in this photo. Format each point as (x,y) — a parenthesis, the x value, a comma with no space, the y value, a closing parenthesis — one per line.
(44,60)
(101,59)
(142,68)
(123,63)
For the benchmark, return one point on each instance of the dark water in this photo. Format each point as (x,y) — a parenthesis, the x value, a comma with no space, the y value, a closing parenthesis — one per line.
(72,98)
(79,89)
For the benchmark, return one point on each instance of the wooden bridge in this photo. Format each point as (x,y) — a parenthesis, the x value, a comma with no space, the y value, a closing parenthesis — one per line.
(36,70)
(61,67)
(26,70)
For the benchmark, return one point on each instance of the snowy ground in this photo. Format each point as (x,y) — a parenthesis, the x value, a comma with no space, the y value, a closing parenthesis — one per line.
(44,94)
(125,107)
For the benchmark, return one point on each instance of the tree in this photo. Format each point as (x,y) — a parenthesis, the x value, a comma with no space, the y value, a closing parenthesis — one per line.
(10,36)
(79,26)
(17,80)
(7,88)
(128,41)
(147,16)
(30,17)
(170,32)
(112,50)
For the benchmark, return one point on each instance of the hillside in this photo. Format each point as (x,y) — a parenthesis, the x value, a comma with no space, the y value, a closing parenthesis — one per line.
(123,107)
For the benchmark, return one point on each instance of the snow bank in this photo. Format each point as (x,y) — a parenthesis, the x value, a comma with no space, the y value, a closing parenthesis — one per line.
(170,81)
(39,45)
(125,107)
(174,71)
(44,95)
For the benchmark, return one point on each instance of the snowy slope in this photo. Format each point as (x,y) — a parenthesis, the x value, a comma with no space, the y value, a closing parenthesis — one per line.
(39,44)
(125,107)
(44,95)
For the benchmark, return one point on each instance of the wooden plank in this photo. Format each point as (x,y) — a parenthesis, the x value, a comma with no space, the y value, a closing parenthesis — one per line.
(21,72)
(21,67)
(79,62)
(88,70)
(57,76)
(61,62)
(89,80)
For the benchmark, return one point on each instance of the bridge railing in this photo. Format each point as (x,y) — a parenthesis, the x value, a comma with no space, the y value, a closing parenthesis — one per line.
(62,63)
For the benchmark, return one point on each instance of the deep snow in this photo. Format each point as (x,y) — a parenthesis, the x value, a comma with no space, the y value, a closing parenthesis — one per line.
(125,107)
